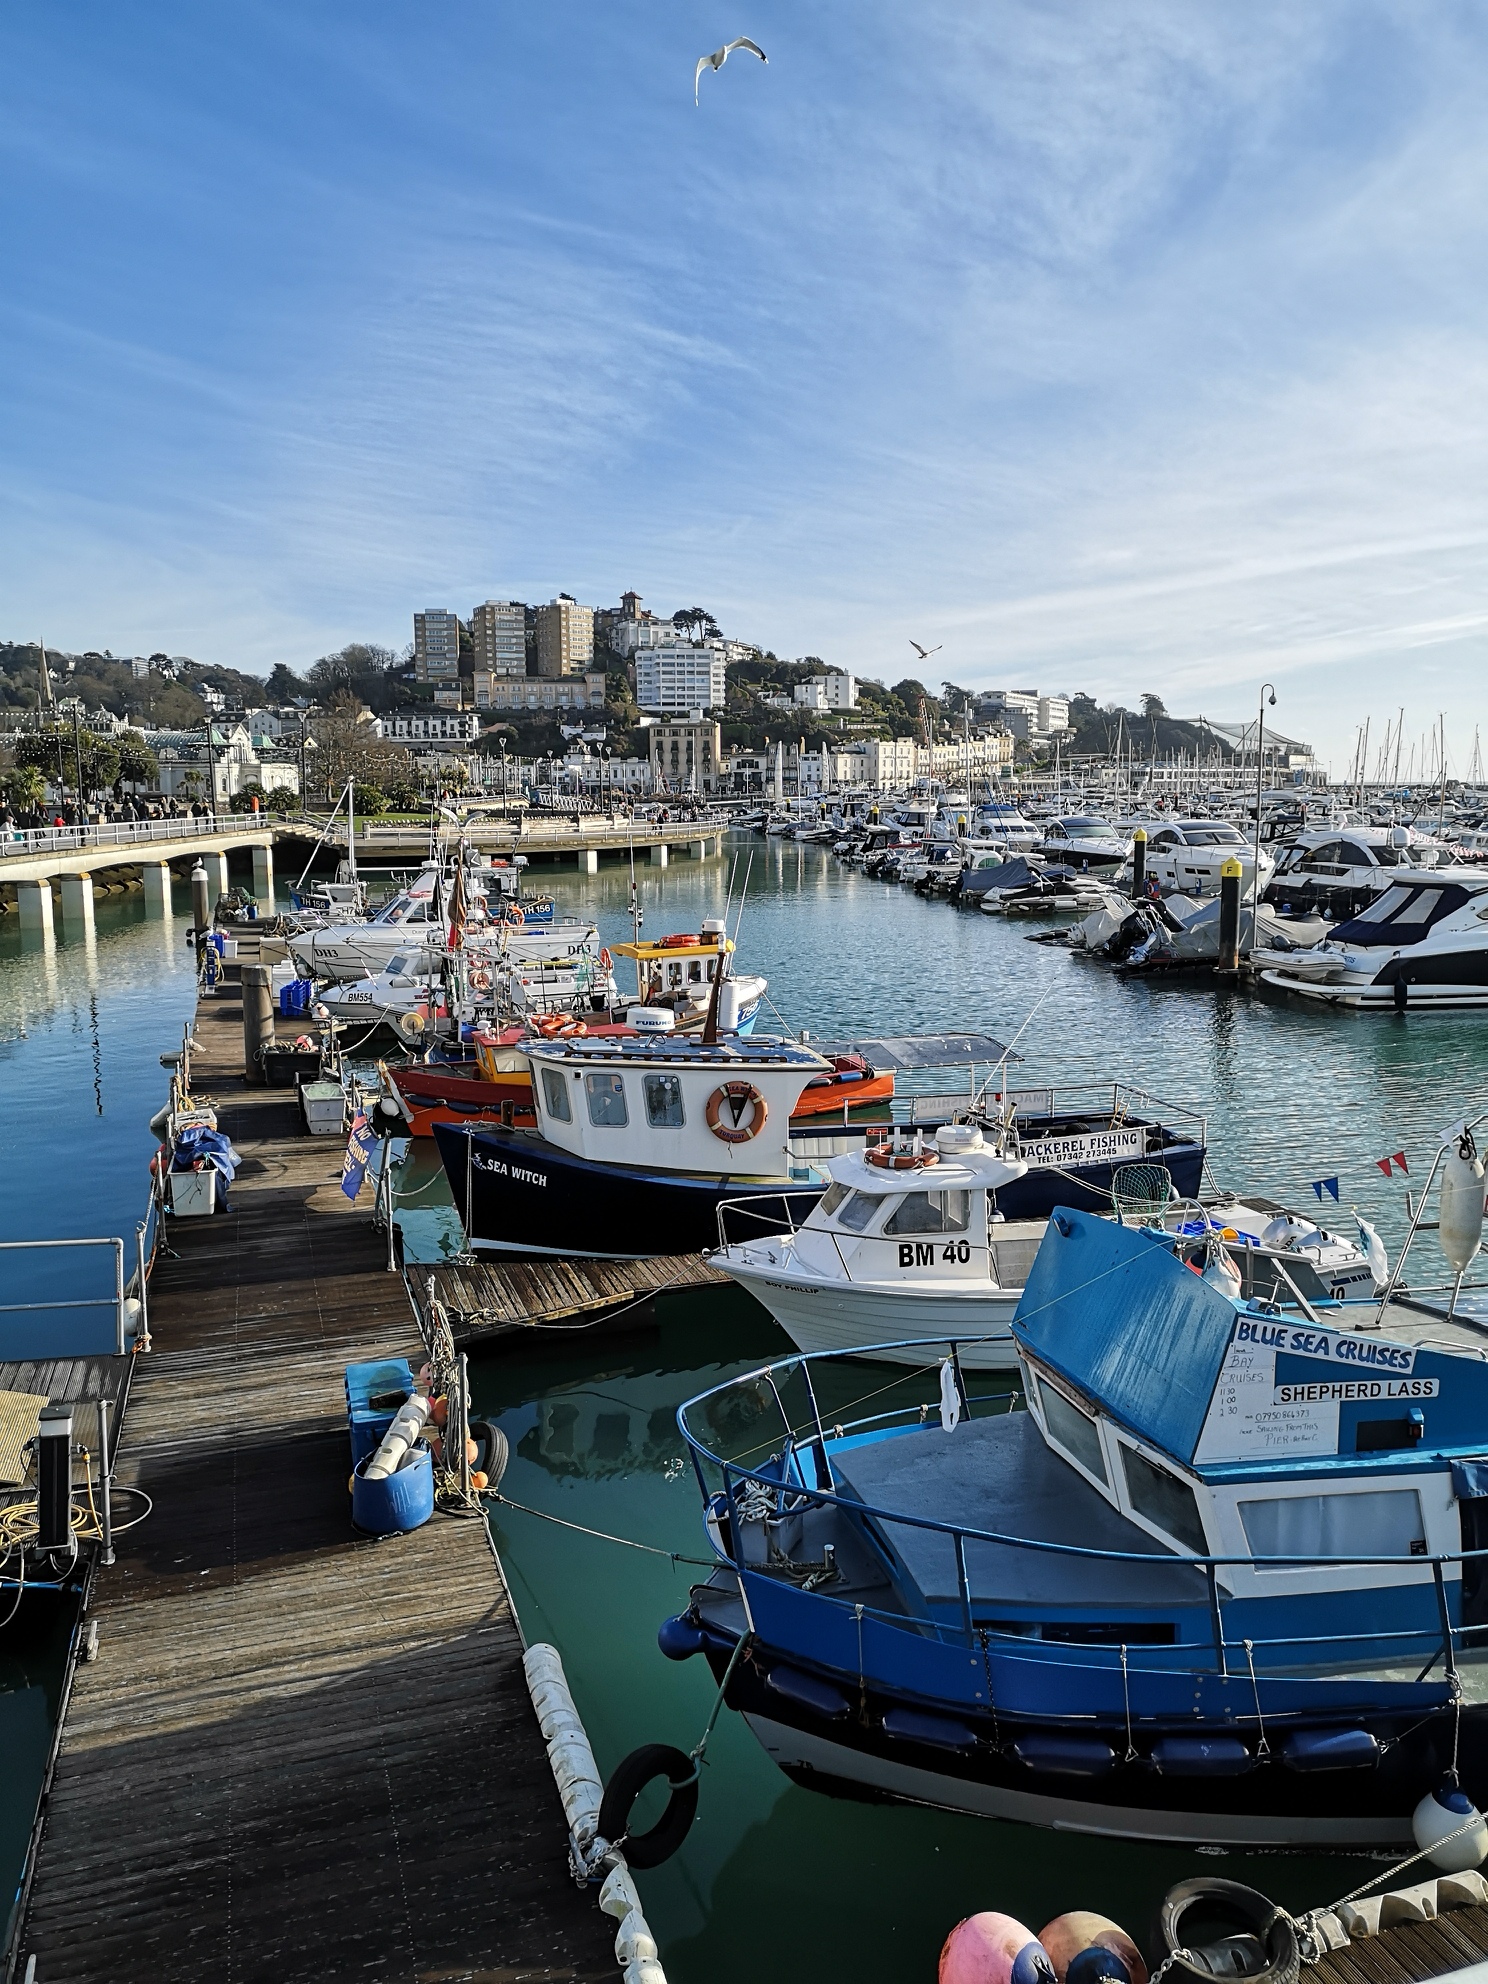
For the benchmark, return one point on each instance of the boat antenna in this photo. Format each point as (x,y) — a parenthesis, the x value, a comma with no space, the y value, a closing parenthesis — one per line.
(635,906)
(742,893)
(321,842)
(1001,1068)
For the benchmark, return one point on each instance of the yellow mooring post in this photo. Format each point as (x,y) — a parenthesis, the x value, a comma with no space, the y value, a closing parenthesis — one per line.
(1139,864)
(1229,917)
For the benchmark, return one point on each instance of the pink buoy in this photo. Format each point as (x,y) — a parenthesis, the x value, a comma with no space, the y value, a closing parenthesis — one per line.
(1086,1948)
(993,1949)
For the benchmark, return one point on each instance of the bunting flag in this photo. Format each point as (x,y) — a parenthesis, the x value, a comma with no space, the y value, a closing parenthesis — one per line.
(1395,1158)
(358,1156)
(1321,1185)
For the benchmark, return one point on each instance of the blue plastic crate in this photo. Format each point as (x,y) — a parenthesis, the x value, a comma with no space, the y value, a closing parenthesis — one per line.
(364,1382)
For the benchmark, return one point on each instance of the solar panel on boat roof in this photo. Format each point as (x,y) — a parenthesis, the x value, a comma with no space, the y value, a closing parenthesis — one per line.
(921,1050)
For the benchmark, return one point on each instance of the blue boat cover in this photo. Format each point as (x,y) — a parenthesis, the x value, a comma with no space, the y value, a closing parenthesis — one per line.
(1112,1310)
(1469,1479)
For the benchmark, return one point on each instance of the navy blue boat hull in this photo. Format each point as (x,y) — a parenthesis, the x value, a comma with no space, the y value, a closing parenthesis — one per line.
(518,1193)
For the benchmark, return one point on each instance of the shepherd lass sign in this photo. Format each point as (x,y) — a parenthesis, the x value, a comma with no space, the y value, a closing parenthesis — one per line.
(1260,1411)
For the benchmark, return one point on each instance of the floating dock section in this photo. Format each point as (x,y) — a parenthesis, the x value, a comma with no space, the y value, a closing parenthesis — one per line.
(299,1753)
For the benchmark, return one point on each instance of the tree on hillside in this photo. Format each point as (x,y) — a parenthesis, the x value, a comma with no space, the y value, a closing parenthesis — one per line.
(368,672)
(1153,706)
(137,762)
(699,620)
(284,686)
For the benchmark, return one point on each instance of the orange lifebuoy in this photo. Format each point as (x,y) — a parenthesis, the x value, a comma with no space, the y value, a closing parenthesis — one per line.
(676,941)
(889,1159)
(516,916)
(556,1026)
(480,979)
(736,1095)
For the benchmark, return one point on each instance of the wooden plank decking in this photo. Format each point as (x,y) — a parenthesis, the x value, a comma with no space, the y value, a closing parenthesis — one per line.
(299,1754)
(1408,1953)
(489,1299)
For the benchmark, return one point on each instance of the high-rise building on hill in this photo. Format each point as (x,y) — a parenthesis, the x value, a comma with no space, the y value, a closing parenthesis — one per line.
(565,637)
(498,635)
(436,645)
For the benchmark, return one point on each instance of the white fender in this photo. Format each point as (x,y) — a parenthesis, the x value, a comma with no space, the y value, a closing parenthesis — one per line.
(1461,1231)
(399,1437)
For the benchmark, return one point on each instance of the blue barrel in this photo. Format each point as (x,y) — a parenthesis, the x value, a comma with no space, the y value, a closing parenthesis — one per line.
(404,1501)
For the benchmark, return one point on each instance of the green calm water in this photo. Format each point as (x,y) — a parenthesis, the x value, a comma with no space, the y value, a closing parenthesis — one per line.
(771,1874)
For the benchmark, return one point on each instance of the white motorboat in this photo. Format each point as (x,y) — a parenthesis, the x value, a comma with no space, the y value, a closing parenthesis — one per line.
(1339,871)
(1422,942)
(906,1242)
(1085,845)
(1187,856)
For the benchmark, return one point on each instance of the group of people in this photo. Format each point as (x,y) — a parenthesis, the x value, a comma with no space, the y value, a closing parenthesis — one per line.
(118,811)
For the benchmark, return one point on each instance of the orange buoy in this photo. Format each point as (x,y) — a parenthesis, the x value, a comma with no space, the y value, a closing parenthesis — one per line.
(1085,1948)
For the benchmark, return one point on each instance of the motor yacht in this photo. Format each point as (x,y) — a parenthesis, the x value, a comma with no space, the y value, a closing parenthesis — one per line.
(1422,942)
(1084,845)
(1188,856)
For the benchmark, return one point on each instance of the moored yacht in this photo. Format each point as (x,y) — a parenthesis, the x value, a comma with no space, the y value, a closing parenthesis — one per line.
(1423,941)
(1084,845)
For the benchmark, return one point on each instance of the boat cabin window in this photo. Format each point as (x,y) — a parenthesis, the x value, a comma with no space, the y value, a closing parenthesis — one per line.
(607,1110)
(555,1095)
(930,1212)
(1167,1503)
(858,1214)
(1073,1430)
(831,1198)
(397,966)
(663,1101)
(1377,1523)
(1355,857)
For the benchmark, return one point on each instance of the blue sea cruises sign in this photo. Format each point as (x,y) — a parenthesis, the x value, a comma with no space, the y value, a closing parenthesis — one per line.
(1259,1411)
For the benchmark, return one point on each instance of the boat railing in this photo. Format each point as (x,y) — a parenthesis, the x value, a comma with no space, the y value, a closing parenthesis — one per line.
(783,1474)
(756,1216)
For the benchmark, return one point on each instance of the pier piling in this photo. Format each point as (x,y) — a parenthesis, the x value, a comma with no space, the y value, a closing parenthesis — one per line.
(156,876)
(258,1021)
(34,900)
(1139,864)
(1229,917)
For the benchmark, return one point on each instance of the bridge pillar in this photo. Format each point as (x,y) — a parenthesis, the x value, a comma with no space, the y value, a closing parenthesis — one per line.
(698,849)
(156,876)
(216,867)
(77,904)
(263,876)
(660,854)
(588,860)
(34,900)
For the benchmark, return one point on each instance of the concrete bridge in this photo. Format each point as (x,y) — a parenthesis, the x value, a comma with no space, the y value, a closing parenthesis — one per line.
(541,838)
(67,858)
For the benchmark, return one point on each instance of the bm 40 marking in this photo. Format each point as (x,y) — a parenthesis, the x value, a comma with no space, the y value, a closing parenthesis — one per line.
(921,1253)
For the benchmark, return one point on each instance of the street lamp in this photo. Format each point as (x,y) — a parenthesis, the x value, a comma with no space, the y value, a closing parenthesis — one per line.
(1255,884)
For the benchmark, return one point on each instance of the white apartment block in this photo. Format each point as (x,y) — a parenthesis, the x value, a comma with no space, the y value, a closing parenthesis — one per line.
(436,645)
(498,634)
(682,675)
(1028,714)
(531,692)
(422,726)
(836,690)
(565,637)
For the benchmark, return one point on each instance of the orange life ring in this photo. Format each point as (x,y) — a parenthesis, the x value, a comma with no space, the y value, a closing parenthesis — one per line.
(678,939)
(480,979)
(889,1159)
(736,1093)
(516,916)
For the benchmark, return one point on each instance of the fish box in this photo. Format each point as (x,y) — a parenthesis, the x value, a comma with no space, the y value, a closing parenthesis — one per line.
(193,1194)
(323,1107)
(286,1067)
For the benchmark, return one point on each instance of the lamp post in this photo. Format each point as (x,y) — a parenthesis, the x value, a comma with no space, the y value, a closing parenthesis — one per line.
(1255,880)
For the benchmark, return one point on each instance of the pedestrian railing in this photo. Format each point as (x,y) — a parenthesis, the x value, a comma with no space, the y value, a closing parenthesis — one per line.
(111,833)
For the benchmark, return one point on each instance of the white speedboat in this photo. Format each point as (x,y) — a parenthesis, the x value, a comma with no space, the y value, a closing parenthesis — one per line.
(1085,845)
(906,1242)
(1422,942)
(1188,855)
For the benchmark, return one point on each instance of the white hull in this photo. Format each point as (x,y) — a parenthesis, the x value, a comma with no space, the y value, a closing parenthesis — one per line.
(1381,998)
(794,1748)
(852,1315)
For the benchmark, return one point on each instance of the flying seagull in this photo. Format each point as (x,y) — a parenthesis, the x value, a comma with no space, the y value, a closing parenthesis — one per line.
(925,653)
(719,56)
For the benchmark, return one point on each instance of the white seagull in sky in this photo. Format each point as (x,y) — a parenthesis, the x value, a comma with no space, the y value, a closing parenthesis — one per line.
(925,653)
(719,56)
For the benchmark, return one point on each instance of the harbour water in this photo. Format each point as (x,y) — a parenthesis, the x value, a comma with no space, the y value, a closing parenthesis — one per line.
(771,1872)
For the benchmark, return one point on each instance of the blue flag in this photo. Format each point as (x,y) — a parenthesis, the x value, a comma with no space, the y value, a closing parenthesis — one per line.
(358,1156)
(1321,1185)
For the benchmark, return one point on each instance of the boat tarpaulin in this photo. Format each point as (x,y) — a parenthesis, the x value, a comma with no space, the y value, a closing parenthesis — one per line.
(1469,1479)
(1111,1309)
(921,1050)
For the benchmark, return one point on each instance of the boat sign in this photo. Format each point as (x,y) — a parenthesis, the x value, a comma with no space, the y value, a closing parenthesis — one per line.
(1281,1384)
(1090,1147)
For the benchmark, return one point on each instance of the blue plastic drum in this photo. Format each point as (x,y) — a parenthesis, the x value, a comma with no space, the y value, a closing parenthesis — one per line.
(404,1501)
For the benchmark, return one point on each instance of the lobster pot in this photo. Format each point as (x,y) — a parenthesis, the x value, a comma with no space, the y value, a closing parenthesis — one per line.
(403,1501)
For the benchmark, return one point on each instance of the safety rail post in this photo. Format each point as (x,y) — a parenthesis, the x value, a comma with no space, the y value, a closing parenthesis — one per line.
(119,1336)
(1446,1618)
(105,1506)
(821,1433)
(142,1334)
(1216,1619)
(963,1579)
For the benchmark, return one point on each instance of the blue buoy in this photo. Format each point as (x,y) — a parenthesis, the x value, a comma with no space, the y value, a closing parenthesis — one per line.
(405,1500)
(680,1638)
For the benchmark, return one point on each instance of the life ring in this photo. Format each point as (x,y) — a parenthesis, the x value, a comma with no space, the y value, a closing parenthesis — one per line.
(1251,1915)
(678,939)
(480,979)
(632,1775)
(736,1094)
(516,916)
(888,1159)
(606,961)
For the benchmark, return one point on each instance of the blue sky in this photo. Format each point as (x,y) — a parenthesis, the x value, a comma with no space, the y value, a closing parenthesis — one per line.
(1116,344)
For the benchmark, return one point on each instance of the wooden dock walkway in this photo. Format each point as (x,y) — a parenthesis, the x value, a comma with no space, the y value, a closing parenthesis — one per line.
(489,1299)
(299,1753)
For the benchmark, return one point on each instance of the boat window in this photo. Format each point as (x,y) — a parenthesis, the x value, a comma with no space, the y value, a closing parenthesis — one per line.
(1389,905)
(663,1101)
(555,1094)
(395,965)
(1355,857)
(931,1212)
(1167,1503)
(396,912)
(1329,855)
(1073,1430)
(607,1110)
(859,1212)
(1378,1523)
(831,1198)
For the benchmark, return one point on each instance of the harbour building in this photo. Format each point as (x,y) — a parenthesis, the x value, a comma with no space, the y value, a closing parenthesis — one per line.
(686,756)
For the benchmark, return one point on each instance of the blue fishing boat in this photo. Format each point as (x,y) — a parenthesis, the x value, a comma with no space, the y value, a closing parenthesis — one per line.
(1217,1571)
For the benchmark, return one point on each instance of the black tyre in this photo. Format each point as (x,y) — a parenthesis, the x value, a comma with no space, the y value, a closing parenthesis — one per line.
(493,1451)
(632,1775)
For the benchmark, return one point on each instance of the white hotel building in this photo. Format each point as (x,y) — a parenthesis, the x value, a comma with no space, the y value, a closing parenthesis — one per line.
(679,675)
